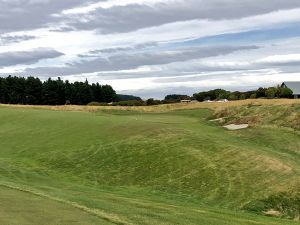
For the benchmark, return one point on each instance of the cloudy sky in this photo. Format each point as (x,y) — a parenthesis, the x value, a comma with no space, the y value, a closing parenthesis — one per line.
(152,48)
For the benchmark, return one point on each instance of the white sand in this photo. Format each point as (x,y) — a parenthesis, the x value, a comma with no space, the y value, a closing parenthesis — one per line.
(236,126)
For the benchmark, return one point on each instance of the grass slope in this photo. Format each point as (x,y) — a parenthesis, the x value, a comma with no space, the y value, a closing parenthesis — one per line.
(18,207)
(126,167)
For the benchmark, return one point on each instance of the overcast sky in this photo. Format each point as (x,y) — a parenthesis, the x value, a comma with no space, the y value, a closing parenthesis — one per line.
(152,48)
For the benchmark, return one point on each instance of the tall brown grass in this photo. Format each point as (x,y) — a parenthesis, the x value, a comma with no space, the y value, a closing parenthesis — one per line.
(165,108)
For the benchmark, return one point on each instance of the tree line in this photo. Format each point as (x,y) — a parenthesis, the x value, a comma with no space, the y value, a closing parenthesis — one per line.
(271,92)
(33,91)
(217,94)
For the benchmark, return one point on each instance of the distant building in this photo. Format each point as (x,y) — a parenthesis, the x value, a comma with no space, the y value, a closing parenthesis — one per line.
(294,86)
(223,100)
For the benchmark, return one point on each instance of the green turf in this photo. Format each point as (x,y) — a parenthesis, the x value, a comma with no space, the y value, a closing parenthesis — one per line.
(119,167)
(18,207)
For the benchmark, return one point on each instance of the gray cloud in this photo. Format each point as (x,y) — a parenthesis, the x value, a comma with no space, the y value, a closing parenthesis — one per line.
(210,76)
(283,63)
(137,16)
(19,15)
(98,52)
(175,63)
(131,61)
(27,57)
(8,39)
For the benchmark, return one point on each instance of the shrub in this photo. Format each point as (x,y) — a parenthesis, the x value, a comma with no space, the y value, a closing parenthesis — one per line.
(130,103)
(97,104)
(271,92)
(286,204)
(285,93)
(151,101)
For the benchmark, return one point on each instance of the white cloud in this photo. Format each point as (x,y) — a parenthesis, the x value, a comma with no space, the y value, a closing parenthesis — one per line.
(281,59)
(84,9)
(142,46)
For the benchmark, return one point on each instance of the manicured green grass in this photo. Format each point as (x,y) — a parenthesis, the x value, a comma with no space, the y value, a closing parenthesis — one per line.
(122,167)
(19,207)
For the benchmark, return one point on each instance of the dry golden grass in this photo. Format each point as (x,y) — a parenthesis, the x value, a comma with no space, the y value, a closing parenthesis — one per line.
(165,108)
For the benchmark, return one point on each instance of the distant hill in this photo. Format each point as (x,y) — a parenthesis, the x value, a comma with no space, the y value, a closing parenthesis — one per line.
(128,97)
(176,98)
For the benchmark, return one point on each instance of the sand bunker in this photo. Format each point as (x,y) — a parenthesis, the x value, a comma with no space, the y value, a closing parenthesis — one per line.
(236,126)
(218,120)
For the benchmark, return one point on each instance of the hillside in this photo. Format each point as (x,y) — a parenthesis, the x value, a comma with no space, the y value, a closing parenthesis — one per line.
(151,165)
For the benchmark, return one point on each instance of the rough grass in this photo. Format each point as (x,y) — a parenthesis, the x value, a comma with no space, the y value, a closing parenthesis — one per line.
(272,117)
(263,115)
(166,108)
(166,166)
(285,204)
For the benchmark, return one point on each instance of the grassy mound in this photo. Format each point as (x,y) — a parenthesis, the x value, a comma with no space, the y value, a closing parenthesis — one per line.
(285,205)
(259,115)
(132,167)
